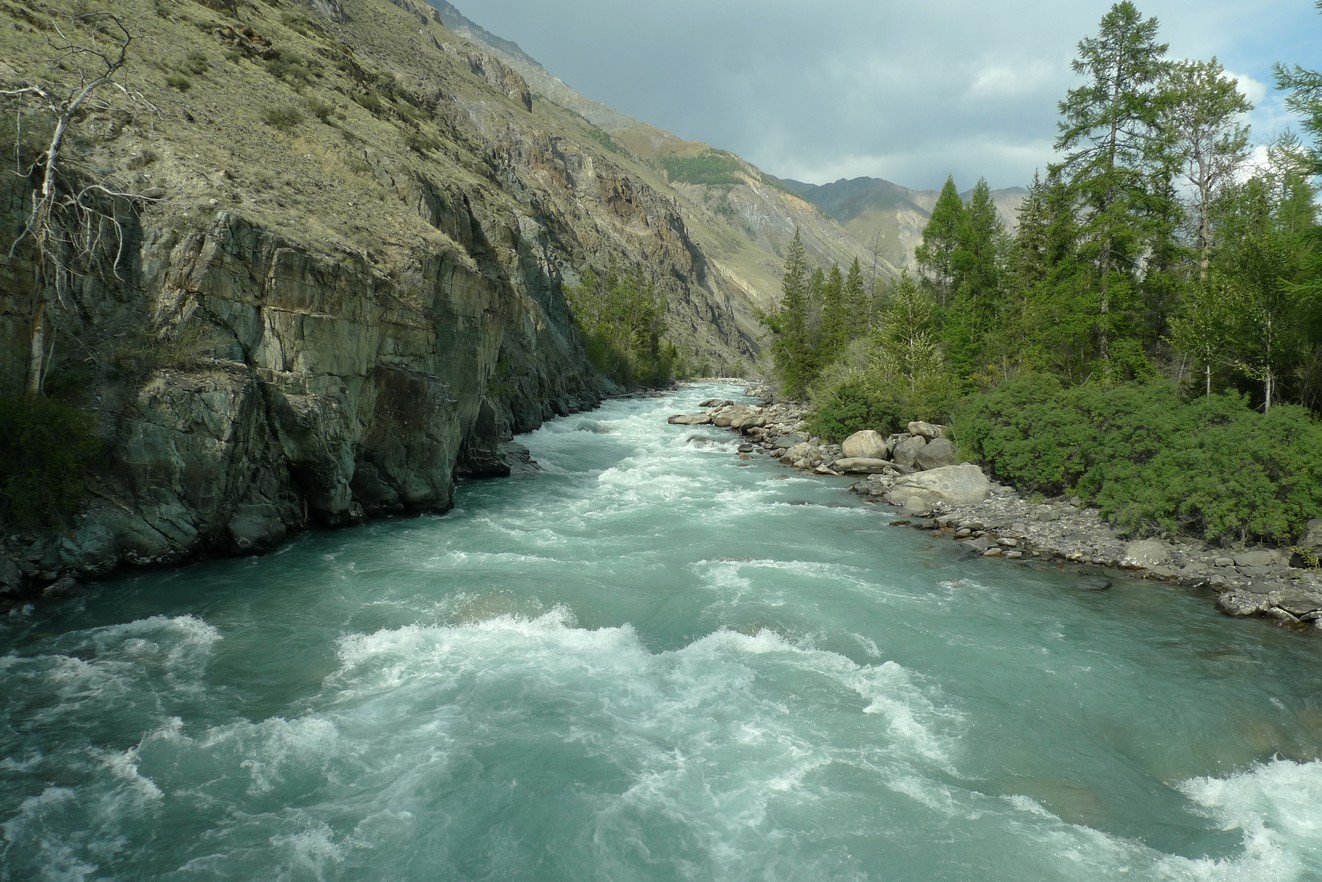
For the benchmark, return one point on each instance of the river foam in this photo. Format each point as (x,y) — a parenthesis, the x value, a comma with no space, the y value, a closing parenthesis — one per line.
(654,660)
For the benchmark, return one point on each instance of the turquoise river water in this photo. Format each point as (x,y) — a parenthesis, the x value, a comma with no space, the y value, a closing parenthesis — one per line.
(653,660)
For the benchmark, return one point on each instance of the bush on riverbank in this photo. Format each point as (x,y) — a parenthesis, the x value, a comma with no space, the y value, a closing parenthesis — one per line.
(46,447)
(1154,464)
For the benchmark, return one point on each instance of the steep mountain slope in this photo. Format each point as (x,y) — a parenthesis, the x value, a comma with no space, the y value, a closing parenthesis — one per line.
(317,267)
(888,216)
(741,217)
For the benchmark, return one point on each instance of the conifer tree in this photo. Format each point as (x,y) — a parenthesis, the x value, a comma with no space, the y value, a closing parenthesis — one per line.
(1117,163)
(940,239)
(833,334)
(791,345)
(976,266)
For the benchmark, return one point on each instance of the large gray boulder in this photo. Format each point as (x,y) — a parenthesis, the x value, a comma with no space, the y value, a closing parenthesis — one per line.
(866,444)
(907,449)
(953,485)
(935,454)
(1145,554)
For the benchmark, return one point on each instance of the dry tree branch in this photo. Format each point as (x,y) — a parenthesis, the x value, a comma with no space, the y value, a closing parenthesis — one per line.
(97,60)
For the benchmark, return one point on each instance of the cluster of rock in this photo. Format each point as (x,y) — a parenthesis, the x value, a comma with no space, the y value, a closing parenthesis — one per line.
(917,471)
(779,429)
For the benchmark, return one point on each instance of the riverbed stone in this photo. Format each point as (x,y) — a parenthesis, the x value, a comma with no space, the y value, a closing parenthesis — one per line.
(866,444)
(935,454)
(1258,557)
(952,485)
(925,430)
(1145,554)
(907,448)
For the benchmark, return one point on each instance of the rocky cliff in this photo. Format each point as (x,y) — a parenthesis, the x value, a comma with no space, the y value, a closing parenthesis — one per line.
(316,271)
(742,220)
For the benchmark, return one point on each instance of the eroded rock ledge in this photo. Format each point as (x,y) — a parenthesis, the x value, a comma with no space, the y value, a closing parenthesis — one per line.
(993,520)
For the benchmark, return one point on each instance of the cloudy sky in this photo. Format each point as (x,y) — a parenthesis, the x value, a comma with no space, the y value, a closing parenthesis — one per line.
(910,92)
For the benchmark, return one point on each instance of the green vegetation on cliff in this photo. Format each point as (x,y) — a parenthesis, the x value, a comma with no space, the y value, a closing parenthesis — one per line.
(622,318)
(713,169)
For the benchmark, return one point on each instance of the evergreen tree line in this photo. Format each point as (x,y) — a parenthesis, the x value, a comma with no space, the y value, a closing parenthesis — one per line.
(1154,247)
(1158,249)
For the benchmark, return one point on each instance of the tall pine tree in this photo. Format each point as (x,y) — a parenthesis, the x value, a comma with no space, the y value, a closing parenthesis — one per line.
(940,239)
(1117,168)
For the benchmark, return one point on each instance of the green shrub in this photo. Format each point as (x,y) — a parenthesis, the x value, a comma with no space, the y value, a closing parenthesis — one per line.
(197,63)
(420,142)
(282,116)
(1153,464)
(855,405)
(178,81)
(46,447)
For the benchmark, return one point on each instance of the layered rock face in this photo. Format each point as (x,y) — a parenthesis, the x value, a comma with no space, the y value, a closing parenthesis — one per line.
(336,284)
(321,389)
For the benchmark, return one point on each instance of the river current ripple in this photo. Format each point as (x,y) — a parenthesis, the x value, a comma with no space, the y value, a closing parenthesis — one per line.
(653,660)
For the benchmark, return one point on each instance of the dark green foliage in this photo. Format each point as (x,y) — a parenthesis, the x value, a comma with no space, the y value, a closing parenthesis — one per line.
(46,447)
(941,237)
(713,168)
(1153,464)
(1025,434)
(623,321)
(858,403)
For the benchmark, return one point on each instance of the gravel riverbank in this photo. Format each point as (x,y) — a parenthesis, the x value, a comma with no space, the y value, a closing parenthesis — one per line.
(1252,581)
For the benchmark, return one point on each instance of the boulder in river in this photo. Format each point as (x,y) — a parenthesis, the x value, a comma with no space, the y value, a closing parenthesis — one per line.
(866,444)
(952,485)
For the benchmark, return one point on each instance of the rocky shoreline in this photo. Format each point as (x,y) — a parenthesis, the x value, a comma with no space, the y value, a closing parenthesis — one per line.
(932,491)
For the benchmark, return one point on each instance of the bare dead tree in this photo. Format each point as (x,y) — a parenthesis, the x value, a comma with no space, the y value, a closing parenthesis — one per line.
(60,217)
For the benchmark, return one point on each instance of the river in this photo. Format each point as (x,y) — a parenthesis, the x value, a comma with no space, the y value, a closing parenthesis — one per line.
(653,660)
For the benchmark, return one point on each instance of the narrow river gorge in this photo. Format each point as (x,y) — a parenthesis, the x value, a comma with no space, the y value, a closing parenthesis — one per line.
(652,660)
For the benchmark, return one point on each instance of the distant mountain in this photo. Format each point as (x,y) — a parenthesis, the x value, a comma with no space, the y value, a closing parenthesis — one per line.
(741,218)
(889,217)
